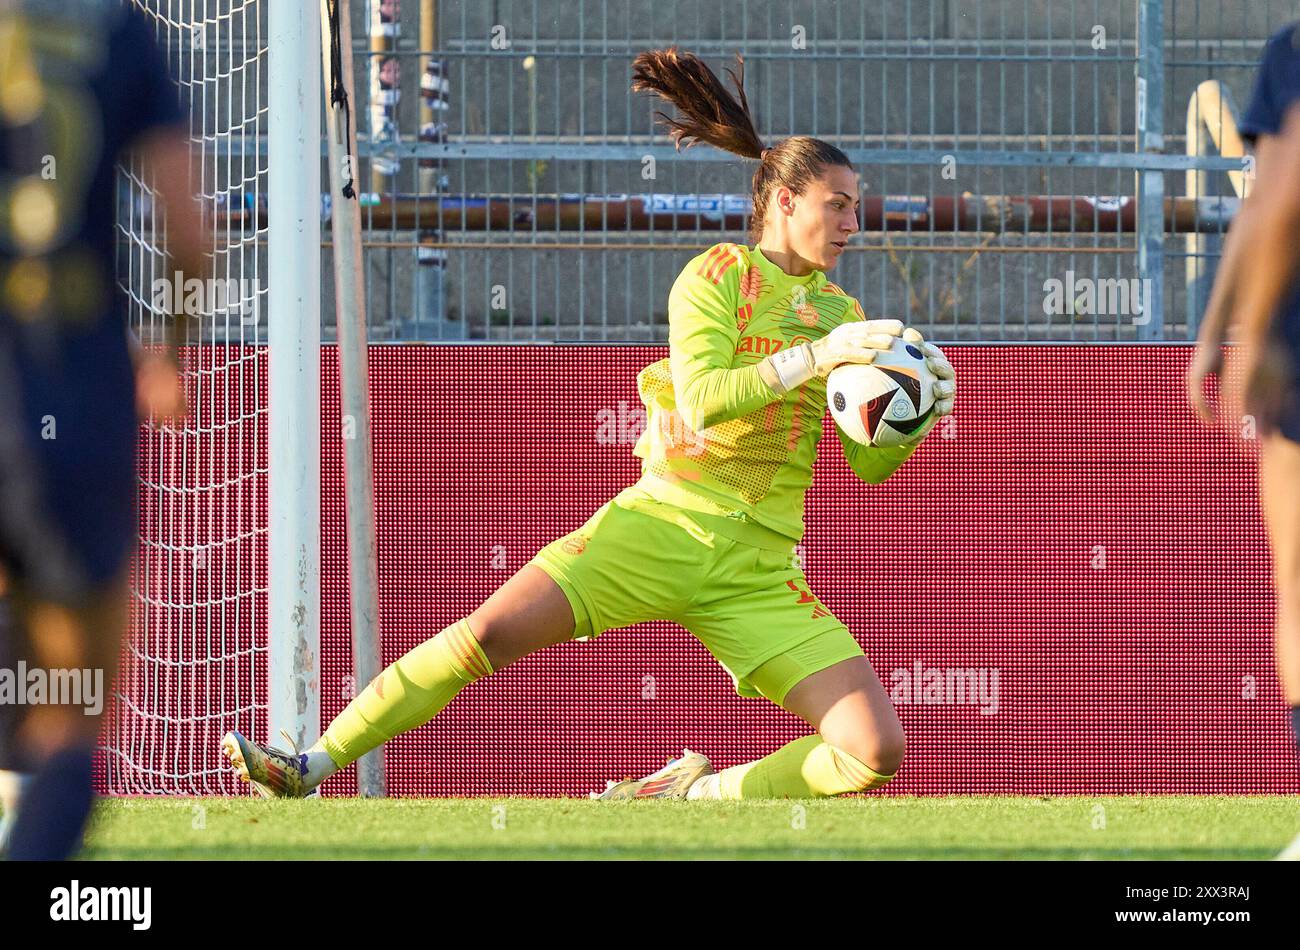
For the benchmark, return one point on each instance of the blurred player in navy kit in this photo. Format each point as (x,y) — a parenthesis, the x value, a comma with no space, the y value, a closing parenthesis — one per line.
(1258,291)
(81,83)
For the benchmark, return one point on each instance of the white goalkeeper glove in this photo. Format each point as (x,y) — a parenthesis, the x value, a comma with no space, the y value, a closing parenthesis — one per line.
(944,388)
(856,342)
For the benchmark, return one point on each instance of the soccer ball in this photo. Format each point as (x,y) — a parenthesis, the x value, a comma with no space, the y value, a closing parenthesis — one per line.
(883,403)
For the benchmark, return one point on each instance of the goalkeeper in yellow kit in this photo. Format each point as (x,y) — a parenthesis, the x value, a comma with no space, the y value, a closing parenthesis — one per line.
(706,537)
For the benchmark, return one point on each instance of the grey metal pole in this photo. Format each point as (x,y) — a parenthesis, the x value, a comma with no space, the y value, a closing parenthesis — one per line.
(1198,268)
(429,261)
(293,336)
(349,292)
(1151,184)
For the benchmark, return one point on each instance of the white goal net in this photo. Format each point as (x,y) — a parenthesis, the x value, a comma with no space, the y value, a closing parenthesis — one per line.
(195,664)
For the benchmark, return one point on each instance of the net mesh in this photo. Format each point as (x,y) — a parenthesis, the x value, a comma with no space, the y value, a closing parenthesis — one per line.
(196,655)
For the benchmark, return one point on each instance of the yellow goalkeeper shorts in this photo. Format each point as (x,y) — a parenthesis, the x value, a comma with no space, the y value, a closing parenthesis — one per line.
(639,559)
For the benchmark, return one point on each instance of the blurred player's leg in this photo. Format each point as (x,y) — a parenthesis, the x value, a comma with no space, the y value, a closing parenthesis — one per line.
(14,770)
(1279,474)
(13,784)
(1262,280)
(60,737)
(527,613)
(64,555)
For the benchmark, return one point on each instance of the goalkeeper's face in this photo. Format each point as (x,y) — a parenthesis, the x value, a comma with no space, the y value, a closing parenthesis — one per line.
(824,217)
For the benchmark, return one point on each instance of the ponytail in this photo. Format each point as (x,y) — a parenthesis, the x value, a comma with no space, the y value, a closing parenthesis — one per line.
(711,114)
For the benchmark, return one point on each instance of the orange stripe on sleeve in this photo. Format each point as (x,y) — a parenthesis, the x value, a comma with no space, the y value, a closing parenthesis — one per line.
(727,261)
(705,269)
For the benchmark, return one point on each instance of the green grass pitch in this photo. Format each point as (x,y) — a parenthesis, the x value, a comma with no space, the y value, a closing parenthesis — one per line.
(968,827)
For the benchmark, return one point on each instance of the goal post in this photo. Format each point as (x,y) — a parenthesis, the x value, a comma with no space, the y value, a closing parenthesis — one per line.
(294,240)
(225,616)
(354,374)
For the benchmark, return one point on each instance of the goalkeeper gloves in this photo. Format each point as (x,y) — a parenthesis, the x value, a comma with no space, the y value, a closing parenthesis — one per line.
(944,388)
(856,342)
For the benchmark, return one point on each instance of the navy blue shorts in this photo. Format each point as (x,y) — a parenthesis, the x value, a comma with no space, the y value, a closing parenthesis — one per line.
(68,491)
(1287,417)
(1288,424)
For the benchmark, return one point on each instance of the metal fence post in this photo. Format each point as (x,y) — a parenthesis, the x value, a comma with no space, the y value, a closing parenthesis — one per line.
(1151,184)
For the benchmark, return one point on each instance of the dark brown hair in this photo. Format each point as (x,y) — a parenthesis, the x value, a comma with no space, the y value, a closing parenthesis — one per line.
(709,113)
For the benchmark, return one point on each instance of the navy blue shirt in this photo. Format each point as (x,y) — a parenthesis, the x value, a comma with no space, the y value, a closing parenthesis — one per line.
(1277,87)
(70,392)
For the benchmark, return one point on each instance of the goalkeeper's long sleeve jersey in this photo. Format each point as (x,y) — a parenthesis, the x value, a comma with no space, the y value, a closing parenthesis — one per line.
(718,439)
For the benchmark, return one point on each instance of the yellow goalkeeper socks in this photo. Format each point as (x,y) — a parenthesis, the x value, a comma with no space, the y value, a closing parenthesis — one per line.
(805,768)
(406,694)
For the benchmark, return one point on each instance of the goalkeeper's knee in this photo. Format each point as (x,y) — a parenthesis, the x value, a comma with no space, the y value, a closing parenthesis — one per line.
(869,762)
(855,775)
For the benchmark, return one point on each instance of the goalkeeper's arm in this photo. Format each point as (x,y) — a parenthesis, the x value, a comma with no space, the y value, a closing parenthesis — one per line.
(702,338)
(875,464)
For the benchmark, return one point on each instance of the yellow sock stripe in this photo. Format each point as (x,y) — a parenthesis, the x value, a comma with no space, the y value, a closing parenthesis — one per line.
(337,753)
(467,651)
(856,773)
